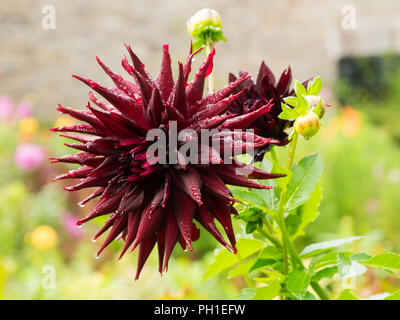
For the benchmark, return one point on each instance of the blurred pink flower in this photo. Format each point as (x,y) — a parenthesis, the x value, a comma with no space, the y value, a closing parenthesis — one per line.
(24,109)
(326,94)
(68,222)
(6,109)
(28,156)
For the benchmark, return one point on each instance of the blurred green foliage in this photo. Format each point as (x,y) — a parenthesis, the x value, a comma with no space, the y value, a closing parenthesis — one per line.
(372,85)
(361,179)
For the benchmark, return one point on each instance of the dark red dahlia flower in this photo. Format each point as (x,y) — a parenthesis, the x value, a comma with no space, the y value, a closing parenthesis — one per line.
(256,95)
(149,201)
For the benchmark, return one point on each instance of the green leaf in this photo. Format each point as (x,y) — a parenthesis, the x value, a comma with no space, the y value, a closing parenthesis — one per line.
(317,248)
(297,283)
(268,292)
(385,259)
(272,274)
(281,182)
(223,259)
(291,101)
(306,175)
(267,257)
(299,88)
(247,247)
(328,272)
(251,214)
(302,107)
(249,197)
(262,280)
(314,86)
(251,226)
(324,260)
(346,294)
(287,113)
(309,296)
(246,294)
(269,197)
(360,257)
(349,268)
(241,269)
(305,214)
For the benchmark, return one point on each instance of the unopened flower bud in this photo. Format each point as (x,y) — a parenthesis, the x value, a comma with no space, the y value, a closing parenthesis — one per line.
(308,125)
(205,23)
(316,107)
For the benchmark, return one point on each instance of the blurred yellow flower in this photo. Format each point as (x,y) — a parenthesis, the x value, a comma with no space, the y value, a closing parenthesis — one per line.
(350,121)
(44,237)
(64,121)
(28,126)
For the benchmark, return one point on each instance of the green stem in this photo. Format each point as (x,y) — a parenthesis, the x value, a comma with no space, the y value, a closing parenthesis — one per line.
(286,241)
(319,291)
(292,150)
(210,76)
(281,206)
(270,237)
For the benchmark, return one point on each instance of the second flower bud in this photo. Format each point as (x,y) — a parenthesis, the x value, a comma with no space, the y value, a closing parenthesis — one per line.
(308,125)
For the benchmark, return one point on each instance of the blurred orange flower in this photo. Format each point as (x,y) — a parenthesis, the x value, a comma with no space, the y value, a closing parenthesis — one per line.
(350,123)
(44,237)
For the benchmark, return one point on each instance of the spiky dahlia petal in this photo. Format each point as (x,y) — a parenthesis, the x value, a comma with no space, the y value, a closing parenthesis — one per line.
(252,105)
(150,203)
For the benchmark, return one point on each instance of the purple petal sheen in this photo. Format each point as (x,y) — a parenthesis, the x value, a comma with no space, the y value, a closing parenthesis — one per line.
(29,156)
(24,109)
(6,109)
(68,222)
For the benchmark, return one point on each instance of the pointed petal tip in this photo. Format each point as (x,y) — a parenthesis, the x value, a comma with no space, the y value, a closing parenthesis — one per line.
(267,187)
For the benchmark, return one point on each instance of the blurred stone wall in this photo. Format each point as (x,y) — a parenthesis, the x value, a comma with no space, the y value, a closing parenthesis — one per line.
(308,35)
